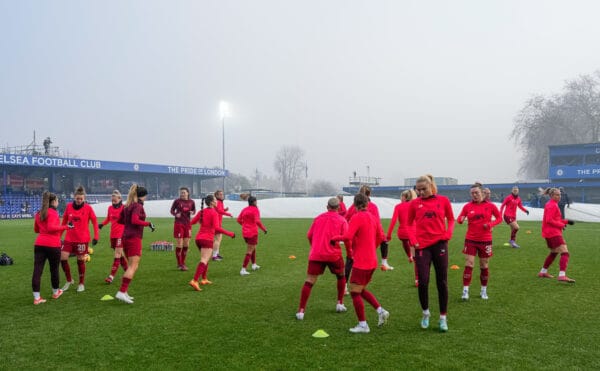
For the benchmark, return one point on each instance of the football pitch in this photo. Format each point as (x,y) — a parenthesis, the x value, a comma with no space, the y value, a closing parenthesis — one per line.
(249,322)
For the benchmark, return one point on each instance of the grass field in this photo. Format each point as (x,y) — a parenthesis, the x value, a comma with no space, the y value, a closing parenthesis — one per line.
(249,323)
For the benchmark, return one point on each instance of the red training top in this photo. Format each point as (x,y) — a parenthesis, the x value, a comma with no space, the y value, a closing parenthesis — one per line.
(342,209)
(430,216)
(363,236)
(133,217)
(185,208)
(80,216)
(479,216)
(552,223)
(221,210)
(371,207)
(510,204)
(112,216)
(405,230)
(209,225)
(323,229)
(50,230)
(249,219)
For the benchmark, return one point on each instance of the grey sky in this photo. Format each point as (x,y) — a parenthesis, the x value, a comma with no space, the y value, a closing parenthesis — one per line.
(407,87)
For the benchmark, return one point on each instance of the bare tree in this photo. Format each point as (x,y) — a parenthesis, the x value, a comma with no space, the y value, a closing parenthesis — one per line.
(569,118)
(289,165)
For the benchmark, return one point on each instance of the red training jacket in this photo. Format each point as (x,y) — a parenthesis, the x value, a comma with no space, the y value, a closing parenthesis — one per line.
(430,216)
(479,217)
(49,230)
(363,236)
(80,218)
(209,225)
(112,216)
(405,230)
(323,229)
(510,204)
(185,208)
(552,223)
(133,218)
(249,219)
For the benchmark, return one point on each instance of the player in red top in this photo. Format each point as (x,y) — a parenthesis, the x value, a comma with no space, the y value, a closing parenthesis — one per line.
(221,210)
(434,220)
(374,210)
(552,230)
(509,210)
(133,217)
(209,225)
(342,208)
(116,232)
(363,236)
(323,254)
(182,209)
(77,238)
(404,229)
(478,241)
(249,219)
(47,246)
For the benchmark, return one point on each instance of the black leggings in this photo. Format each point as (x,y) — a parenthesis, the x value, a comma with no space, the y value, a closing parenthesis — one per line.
(41,253)
(348,268)
(438,255)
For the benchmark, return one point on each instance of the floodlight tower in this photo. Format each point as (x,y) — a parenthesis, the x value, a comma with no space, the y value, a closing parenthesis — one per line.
(224,110)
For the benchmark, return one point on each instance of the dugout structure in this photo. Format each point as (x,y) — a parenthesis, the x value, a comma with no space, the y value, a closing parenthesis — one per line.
(25,177)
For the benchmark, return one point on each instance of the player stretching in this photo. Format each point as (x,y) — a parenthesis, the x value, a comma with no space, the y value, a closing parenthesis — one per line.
(133,218)
(77,238)
(116,232)
(182,209)
(249,219)
(209,225)
(404,229)
(221,210)
(430,212)
(47,246)
(509,210)
(478,240)
(323,254)
(552,230)
(363,236)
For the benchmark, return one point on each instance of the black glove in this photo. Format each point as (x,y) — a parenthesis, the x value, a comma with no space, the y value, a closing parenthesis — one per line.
(233,236)
(100,226)
(265,232)
(527,212)
(152,227)
(70,225)
(94,242)
(570,222)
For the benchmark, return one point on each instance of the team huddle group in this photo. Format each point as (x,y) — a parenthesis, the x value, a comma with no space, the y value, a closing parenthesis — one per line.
(425,225)
(127,227)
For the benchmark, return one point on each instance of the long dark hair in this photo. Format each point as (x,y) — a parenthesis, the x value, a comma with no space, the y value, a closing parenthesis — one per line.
(207,200)
(47,198)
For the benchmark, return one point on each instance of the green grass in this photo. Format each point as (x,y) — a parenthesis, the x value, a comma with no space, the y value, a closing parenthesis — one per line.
(249,322)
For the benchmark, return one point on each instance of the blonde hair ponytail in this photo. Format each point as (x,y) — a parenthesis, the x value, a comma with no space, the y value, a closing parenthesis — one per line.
(132,195)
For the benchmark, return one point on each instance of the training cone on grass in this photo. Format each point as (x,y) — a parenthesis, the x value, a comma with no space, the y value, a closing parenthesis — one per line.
(528,231)
(454,267)
(107,298)
(320,334)
(292,257)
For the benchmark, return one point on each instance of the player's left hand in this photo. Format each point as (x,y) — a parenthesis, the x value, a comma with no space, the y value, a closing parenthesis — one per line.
(265,231)
(152,227)
(94,242)
(527,212)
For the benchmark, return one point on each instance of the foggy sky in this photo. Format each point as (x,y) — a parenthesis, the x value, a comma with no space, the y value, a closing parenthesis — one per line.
(405,87)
